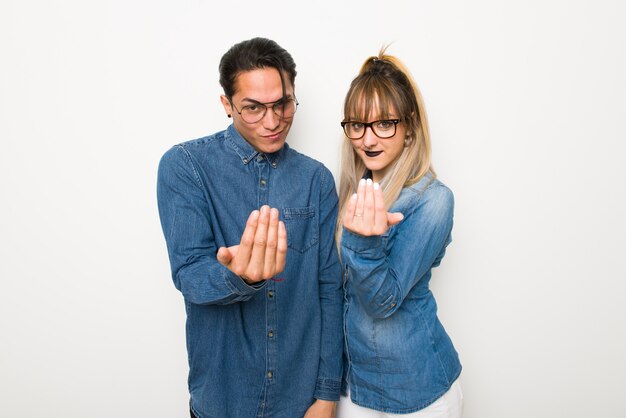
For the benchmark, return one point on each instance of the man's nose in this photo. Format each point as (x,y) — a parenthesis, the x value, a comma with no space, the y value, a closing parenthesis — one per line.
(270,120)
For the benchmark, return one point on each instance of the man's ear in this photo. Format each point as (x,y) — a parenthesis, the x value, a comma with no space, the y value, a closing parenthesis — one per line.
(227,105)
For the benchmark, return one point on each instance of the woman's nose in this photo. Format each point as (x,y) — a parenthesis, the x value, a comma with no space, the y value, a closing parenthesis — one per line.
(369,138)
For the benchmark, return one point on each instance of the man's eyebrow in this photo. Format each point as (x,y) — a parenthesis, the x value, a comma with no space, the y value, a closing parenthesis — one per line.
(247,99)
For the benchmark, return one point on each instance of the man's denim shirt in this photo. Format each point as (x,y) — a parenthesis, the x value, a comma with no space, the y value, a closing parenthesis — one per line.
(399,357)
(265,350)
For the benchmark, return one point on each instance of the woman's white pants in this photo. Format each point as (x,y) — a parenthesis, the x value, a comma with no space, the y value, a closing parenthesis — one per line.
(449,405)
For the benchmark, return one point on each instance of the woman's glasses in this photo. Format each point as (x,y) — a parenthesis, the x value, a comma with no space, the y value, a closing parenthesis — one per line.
(385,128)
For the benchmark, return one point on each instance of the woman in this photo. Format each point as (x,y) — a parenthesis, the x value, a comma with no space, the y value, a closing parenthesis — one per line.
(392,232)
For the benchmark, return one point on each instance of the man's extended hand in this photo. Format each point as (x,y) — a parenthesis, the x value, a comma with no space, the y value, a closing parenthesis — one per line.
(262,250)
(321,409)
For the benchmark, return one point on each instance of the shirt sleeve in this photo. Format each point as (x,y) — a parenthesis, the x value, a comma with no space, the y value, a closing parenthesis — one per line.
(184,214)
(331,297)
(384,273)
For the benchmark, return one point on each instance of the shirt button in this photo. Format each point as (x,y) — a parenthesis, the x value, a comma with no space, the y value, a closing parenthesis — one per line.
(263,182)
(270,334)
(274,165)
(270,374)
(245,161)
(270,294)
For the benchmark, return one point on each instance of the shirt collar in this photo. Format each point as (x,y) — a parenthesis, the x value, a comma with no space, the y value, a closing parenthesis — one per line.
(247,153)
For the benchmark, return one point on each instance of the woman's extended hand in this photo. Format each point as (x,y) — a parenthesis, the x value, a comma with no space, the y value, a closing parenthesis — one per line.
(365,213)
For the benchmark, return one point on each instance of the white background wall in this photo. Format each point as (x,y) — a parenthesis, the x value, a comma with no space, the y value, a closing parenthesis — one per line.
(526,104)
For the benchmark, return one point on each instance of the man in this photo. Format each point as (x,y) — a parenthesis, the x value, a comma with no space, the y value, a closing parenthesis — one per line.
(249,226)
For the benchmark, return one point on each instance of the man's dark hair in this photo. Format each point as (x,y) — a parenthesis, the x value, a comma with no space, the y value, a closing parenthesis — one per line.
(254,54)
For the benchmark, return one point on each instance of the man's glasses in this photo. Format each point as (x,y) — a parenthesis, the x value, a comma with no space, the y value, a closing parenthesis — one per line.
(284,108)
(385,128)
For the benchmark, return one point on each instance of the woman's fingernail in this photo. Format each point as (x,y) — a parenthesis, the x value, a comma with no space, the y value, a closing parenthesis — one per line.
(362,182)
(369,182)
(376,186)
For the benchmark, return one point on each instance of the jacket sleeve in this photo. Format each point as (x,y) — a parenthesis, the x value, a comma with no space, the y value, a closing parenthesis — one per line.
(331,297)
(184,214)
(383,273)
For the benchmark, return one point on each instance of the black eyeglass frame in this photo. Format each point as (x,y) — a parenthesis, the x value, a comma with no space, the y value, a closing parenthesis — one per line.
(371,126)
(284,101)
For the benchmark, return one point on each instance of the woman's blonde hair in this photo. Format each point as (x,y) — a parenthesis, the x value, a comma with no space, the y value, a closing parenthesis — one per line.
(385,84)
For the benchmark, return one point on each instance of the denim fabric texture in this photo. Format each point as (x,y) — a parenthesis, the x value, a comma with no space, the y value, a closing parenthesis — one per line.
(398,357)
(271,349)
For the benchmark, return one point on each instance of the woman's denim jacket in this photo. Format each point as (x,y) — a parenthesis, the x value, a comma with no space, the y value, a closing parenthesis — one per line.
(399,358)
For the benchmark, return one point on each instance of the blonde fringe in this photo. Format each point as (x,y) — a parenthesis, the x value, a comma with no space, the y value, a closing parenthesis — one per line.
(413,164)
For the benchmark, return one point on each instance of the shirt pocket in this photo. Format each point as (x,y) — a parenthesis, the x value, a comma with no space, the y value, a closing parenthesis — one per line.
(301,231)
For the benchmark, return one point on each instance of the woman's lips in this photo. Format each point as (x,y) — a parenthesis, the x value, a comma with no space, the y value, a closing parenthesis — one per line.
(372,153)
